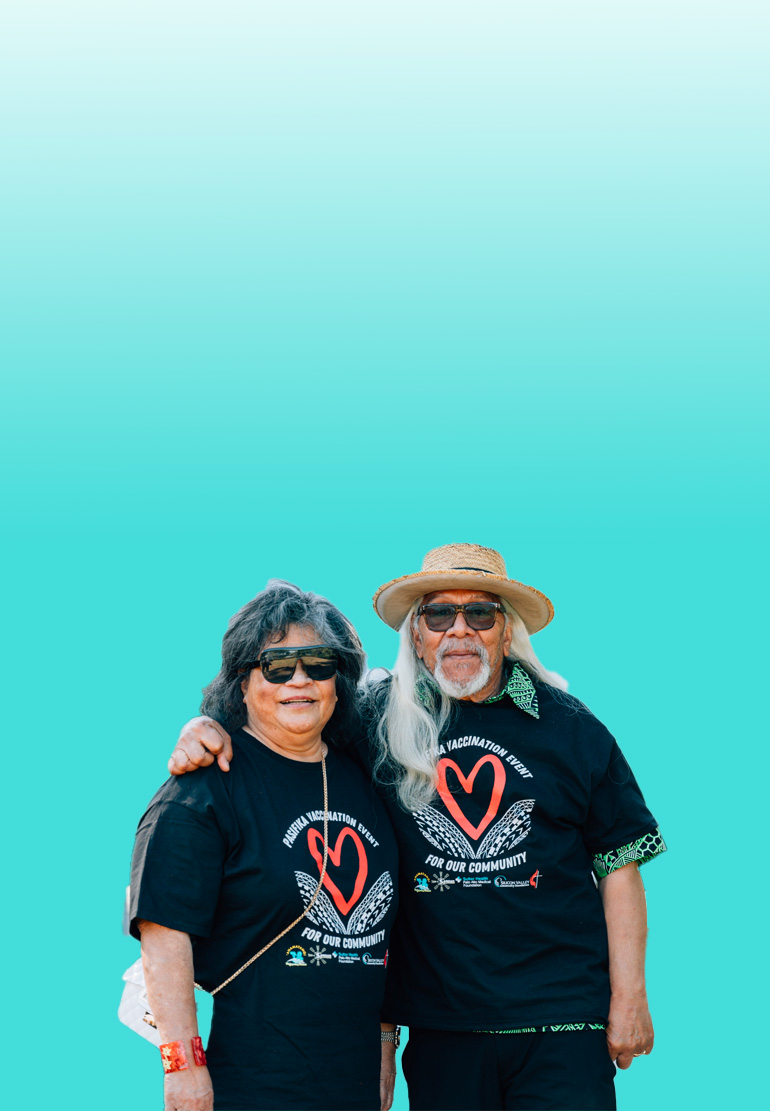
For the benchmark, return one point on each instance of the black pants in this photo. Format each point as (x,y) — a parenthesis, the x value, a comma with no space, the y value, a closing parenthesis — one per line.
(458,1071)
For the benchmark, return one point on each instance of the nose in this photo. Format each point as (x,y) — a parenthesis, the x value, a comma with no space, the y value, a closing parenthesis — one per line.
(299,678)
(461,628)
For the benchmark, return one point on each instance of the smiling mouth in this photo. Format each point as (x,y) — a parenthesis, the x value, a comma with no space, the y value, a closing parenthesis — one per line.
(297,701)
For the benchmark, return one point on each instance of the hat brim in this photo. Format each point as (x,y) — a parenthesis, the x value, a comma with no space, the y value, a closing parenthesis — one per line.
(393,601)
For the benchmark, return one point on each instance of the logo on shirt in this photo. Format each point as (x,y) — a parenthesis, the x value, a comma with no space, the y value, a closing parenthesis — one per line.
(504,835)
(453,805)
(470,827)
(534,879)
(343,907)
(296,955)
(315,840)
(422,883)
(369,959)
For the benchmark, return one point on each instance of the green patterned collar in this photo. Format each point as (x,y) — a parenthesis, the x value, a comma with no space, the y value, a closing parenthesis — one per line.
(521,689)
(519,686)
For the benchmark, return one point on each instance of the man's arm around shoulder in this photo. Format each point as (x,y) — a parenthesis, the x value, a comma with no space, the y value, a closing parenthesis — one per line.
(201,741)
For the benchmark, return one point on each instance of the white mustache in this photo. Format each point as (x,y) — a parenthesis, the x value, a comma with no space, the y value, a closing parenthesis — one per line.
(477,649)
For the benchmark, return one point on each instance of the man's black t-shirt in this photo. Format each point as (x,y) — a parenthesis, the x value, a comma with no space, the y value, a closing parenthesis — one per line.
(232,860)
(500,923)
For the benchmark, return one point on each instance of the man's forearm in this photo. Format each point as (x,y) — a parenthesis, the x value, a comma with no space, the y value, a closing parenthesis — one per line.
(625,911)
(629,1027)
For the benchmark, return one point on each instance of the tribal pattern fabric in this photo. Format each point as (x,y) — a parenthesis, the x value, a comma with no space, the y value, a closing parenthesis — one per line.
(503,836)
(647,847)
(549,1029)
(521,689)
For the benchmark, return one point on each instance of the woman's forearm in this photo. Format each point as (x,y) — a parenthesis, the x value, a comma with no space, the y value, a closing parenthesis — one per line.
(168,973)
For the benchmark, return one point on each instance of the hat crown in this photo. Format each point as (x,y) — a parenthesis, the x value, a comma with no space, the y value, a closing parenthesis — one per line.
(464,557)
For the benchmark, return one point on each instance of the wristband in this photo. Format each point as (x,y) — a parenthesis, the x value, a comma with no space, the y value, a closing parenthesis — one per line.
(391,1036)
(173,1056)
(199,1055)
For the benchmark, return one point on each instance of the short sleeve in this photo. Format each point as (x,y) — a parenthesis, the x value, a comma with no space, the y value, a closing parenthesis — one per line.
(176,869)
(617,814)
(639,852)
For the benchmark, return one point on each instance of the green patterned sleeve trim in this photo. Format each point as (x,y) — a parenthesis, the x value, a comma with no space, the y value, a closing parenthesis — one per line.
(647,847)
(548,1029)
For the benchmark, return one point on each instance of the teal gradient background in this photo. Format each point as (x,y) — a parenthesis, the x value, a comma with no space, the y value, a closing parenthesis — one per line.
(305,289)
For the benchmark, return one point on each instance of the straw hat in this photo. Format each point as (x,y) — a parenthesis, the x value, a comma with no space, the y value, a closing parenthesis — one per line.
(462,567)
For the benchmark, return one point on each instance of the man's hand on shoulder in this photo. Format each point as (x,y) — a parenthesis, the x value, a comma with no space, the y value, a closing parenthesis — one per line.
(201,741)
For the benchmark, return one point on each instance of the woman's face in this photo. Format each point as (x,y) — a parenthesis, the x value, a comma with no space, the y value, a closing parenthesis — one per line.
(298,708)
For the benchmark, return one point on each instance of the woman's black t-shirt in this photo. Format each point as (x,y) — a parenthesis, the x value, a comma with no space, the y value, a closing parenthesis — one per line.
(232,859)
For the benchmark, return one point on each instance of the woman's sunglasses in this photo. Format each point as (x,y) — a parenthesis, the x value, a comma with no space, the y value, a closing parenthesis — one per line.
(478,615)
(319,661)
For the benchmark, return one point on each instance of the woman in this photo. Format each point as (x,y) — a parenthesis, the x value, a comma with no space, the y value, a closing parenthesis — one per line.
(223,864)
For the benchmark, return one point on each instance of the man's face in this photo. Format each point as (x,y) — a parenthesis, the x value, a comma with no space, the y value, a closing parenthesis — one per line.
(457,657)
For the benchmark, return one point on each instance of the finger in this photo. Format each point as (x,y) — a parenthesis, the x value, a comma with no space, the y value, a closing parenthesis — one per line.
(625,1060)
(198,754)
(178,763)
(183,761)
(226,755)
(204,731)
(208,735)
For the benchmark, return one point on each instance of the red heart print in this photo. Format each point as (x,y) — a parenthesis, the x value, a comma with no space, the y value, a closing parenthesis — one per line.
(335,855)
(467,785)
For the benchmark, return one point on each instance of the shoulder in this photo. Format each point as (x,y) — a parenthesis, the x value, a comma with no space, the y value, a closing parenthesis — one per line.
(572,720)
(358,752)
(202,792)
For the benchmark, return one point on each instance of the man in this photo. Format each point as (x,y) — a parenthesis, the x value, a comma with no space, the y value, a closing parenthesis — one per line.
(521,983)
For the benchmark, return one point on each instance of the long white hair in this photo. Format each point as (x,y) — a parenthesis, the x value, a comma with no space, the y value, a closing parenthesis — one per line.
(409,728)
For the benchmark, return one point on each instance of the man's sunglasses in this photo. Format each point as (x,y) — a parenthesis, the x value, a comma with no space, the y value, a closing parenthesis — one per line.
(478,615)
(319,661)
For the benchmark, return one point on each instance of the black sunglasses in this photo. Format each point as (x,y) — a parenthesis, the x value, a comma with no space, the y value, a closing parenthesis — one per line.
(278,665)
(442,616)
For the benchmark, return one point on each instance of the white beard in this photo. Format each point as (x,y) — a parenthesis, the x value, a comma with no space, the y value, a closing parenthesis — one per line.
(470,686)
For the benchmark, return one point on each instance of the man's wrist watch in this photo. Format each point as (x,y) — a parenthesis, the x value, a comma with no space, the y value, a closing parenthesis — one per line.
(391,1036)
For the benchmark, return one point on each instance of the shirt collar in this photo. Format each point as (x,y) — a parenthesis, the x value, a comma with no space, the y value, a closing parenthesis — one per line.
(521,689)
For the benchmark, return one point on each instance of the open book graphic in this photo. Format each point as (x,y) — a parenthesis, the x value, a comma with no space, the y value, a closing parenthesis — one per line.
(372,908)
(504,834)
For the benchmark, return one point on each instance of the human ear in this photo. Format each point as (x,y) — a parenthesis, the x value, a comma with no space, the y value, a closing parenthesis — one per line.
(507,639)
(417,640)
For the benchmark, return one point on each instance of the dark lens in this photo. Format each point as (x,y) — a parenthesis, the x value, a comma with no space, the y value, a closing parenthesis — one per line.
(316,668)
(320,664)
(279,671)
(439,618)
(480,615)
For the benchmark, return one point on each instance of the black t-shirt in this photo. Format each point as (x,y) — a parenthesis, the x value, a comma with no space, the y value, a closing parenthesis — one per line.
(232,859)
(500,923)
